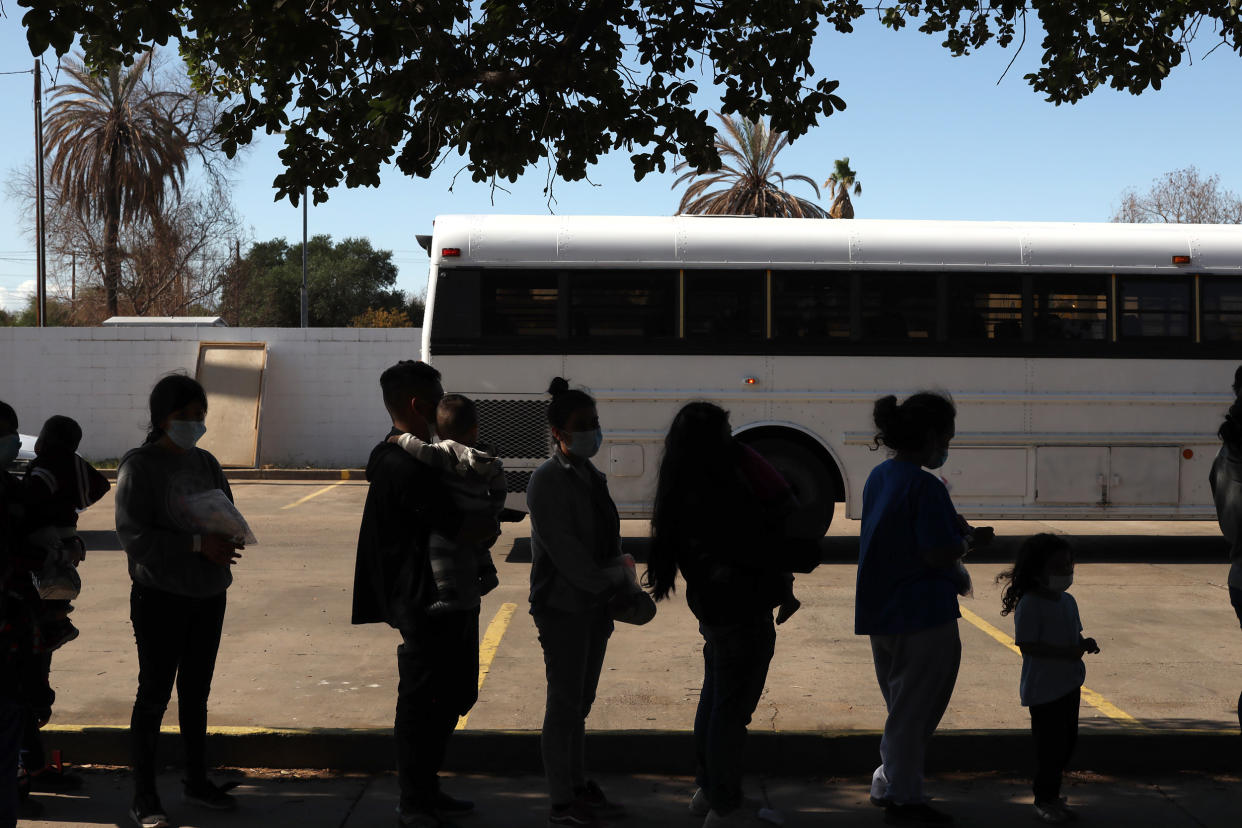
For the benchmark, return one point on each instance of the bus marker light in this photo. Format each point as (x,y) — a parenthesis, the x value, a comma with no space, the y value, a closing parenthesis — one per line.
(751,381)
(1181,260)
(449,252)
(1188,453)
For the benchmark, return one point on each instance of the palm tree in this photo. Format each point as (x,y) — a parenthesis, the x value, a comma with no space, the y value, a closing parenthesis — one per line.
(116,152)
(748,178)
(841,179)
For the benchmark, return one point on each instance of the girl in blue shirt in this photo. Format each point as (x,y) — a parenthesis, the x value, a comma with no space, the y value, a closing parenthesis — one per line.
(909,577)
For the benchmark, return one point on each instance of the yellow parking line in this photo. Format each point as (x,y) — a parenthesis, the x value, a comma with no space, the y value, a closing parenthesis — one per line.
(312,495)
(1091,697)
(489,645)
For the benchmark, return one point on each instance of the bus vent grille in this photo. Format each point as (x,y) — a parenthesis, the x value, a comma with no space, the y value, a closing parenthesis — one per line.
(517,481)
(515,428)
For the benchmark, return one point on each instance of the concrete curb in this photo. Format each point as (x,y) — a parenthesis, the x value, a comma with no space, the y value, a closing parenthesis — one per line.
(652,751)
(280,474)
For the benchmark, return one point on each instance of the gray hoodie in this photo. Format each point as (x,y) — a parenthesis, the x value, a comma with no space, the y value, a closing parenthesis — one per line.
(154,526)
(1226,482)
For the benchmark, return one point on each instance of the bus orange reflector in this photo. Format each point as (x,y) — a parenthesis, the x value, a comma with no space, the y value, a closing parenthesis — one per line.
(1181,260)
(752,381)
(1188,453)
(449,252)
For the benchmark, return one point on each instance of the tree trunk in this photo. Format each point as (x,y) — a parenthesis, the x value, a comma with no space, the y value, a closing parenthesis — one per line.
(112,239)
(842,207)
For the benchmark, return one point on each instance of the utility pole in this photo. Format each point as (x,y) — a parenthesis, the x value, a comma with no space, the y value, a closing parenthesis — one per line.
(305,310)
(40,228)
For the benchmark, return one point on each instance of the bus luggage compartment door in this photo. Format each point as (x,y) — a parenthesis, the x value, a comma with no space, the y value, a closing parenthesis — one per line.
(1143,475)
(1076,475)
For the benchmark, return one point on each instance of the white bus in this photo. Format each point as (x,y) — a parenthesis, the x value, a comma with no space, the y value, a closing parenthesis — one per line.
(1091,364)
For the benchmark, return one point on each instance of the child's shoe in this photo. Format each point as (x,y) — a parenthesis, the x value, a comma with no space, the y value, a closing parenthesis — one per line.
(58,633)
(1051,812)
(787,608)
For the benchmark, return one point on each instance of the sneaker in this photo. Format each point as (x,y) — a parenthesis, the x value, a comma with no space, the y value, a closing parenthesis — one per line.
(700,807)
(744,817)
(445,804)
(915,813)
(1051,812)
(577,814)
(147,812)
(1069,812)
(54,780)
(206,794)
(592,795)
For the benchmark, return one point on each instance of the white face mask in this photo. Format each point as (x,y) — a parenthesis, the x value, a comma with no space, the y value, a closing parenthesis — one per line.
(9,447)
(1059,583)
(186,433)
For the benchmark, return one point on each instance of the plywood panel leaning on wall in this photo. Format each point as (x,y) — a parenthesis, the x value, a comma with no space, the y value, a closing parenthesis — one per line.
(232,374)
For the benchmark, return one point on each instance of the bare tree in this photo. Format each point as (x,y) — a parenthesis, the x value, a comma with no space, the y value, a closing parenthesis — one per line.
(1181,197)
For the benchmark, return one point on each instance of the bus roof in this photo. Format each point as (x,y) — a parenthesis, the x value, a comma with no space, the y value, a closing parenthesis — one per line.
(736,242)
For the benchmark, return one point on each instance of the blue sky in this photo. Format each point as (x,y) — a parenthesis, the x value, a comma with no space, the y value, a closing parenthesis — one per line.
(931,136)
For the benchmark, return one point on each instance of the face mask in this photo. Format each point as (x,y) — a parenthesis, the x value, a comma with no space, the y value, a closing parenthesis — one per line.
(9,447)
(1059,583)
(940,461)
(585,444)
(186,433)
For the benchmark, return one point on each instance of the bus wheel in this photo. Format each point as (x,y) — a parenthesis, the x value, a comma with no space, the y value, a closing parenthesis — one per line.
(813,484)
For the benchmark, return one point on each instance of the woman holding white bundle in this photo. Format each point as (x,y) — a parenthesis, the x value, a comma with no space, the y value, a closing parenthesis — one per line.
(169,502)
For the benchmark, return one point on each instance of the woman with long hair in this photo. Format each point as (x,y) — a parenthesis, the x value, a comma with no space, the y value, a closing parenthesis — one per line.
(718,520)
(180,575)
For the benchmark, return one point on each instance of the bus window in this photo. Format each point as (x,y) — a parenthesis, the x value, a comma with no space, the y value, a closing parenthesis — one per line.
(1153,308)
(1221,299)
(623,305)
(1071,308)
(724,304)
(985,307)
(520,303)
(899,306)
(809,306)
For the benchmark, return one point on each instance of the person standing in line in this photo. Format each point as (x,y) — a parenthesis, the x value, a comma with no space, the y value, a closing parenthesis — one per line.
(181,576)
(1226,482)
(577,568)
(1048,630)
(909,577)
(713,522)
(438,658)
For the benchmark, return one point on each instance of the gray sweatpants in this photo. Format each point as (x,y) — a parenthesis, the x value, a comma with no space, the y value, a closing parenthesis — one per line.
(916,672)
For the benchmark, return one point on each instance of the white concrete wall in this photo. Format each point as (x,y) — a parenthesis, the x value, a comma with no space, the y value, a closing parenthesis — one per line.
(321,403)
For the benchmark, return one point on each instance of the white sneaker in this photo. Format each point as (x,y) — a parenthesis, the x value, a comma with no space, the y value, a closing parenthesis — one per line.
(744,818)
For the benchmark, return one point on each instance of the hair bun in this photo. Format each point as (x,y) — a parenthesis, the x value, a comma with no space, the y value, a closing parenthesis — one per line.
(559,385)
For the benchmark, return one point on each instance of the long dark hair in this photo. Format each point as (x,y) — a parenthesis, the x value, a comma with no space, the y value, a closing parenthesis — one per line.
(908,426)
(699,458)
(1032,561)
(172,393)
(1230,432)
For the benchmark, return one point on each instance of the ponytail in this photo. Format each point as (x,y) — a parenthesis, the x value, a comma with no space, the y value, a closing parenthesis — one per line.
(565,401)
(906,426)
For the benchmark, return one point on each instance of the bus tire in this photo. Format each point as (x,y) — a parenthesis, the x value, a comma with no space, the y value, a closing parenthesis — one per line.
(812,483)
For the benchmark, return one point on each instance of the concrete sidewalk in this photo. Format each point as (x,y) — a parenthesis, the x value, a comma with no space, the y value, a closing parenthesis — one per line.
(336,801)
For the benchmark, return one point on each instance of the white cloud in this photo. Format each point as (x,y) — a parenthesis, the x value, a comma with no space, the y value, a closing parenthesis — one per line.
(13,299)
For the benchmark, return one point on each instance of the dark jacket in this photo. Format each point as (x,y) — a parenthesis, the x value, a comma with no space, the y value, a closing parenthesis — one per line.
(406,502)
(575,538)
(736,564)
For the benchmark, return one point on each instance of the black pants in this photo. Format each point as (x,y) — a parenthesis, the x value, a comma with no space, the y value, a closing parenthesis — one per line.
(735,668)
(438,665)
(178,638)
(1055,727)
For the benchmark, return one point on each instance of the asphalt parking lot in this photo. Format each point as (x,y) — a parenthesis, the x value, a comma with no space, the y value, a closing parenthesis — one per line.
(1152,594)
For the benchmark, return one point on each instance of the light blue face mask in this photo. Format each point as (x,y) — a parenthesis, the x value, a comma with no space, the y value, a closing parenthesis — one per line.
(9,447)
(585,444)
(186,433)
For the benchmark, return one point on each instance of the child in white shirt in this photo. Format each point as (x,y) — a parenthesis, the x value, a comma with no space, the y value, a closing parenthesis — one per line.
(1048,630)
(477,482)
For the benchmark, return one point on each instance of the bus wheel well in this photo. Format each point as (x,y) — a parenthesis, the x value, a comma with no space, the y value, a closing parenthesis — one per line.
(803,441)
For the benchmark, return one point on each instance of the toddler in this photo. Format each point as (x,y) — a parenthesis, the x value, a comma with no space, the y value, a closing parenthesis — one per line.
(477,482)
(58,484)
(1049,633)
